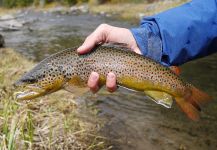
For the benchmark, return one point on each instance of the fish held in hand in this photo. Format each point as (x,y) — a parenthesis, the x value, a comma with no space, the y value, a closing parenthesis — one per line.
(70,71)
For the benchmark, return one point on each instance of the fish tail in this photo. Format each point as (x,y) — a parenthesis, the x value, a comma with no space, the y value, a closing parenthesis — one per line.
(191,111)
(191,105)
(199,97)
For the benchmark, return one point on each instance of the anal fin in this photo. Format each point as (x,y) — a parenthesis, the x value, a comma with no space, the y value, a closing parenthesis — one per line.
(161,98)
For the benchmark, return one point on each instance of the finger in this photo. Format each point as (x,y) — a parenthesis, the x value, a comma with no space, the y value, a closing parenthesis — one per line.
(111,82)
(88,44)
(93,82)
(137,50)
(123,35)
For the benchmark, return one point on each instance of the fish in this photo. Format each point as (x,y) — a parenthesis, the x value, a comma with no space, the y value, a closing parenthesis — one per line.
(70,71)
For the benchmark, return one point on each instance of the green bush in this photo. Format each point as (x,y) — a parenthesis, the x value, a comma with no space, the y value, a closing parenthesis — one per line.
(72,2)
(8,3)
(24,3)
(16,3)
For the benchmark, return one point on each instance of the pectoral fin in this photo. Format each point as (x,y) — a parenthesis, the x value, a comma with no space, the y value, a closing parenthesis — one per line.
(76,86)
(78,91)
(161,98)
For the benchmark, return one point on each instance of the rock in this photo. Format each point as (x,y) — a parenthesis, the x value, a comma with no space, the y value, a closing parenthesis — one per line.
(84,8)
(2,41)
(79,9)
(105,14)
(9,23)
(59,10)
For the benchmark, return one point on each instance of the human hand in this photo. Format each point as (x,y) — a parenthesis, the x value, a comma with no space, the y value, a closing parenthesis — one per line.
(107,34)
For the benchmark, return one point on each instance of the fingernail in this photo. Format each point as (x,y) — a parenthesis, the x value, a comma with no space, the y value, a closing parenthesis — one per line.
(111,75)
(80,48)
(111,82)
(93,82)
(94,76)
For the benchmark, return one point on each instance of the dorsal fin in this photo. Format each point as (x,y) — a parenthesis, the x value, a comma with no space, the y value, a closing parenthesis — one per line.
(175,69)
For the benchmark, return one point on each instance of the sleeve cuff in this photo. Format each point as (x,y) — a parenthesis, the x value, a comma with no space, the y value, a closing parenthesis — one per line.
(148,40)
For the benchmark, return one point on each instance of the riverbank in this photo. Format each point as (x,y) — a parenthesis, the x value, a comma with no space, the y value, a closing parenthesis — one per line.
(132,12)
(50,122)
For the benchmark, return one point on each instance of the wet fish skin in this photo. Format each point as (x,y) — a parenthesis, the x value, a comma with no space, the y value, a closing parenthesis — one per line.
(69,69)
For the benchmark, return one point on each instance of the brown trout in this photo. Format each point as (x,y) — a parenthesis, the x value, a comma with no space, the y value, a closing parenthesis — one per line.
(69,70)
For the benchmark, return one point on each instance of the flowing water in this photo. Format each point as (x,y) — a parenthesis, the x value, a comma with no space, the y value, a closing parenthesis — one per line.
(132,122)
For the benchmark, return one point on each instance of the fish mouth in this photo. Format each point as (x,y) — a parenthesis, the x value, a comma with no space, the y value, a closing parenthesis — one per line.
(29,92)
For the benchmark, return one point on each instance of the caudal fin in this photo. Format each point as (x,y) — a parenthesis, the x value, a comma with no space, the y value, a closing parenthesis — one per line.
(191,111)
(198,96)
(191,105)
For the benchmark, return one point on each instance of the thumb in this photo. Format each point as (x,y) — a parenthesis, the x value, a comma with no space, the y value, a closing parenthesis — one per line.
(137,50)
(98,36)
(88,45)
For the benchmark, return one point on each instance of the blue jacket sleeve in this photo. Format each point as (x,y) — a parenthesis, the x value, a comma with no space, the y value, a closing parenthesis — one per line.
(180,34)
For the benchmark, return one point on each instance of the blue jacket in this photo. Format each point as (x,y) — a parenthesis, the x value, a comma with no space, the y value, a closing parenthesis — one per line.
(180,34)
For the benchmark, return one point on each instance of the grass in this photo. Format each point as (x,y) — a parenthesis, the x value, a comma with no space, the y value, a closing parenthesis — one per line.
(6,11)
(50,122)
